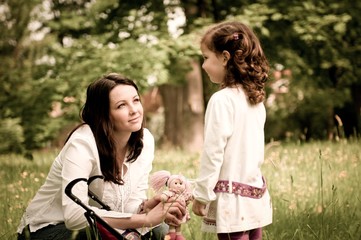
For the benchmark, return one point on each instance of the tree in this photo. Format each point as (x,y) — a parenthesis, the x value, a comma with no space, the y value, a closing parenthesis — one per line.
(318,44)
(18,71)
(122,37)
(314,45)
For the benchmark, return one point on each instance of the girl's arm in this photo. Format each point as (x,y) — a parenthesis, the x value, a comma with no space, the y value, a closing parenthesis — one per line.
(218,128)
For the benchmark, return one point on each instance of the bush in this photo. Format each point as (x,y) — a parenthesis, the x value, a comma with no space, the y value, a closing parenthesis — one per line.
(11,136)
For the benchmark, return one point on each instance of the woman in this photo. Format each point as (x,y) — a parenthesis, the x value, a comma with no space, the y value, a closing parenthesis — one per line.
(110,142)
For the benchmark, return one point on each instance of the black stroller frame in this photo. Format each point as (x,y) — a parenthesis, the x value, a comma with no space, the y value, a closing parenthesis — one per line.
(92,218)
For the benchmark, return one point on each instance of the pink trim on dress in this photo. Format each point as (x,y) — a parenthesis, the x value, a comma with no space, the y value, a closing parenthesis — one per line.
(241,189)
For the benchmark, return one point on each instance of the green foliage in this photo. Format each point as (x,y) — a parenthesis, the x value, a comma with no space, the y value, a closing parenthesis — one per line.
(131,58)
(11,136)
(308,39)
(25,99)
(318,41)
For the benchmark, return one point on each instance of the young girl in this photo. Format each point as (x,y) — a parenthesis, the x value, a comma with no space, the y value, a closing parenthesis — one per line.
(230,182)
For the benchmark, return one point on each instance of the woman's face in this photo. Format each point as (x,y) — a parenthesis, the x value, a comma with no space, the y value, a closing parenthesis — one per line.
(126,110)
(215,66)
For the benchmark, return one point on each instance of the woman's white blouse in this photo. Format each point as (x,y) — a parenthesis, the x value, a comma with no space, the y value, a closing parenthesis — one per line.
(79,159)
(116,196)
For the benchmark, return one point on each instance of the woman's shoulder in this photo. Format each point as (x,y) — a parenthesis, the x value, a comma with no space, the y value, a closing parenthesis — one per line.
(83,130)
(146,131)
(82,133)
(147,135)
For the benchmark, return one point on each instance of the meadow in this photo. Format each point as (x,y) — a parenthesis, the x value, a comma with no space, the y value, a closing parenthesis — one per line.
(314,188)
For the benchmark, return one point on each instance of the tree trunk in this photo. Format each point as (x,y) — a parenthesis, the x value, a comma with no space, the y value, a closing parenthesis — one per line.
(194,115)
(350,113)
(184,111)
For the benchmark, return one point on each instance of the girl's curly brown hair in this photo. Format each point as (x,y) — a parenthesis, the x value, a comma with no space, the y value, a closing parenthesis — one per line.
(247,65)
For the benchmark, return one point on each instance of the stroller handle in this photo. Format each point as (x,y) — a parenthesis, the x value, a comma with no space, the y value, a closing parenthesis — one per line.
(92,218)
(71,184)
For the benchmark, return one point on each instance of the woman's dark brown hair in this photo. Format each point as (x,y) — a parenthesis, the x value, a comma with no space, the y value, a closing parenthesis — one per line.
(247,65)
(96,114)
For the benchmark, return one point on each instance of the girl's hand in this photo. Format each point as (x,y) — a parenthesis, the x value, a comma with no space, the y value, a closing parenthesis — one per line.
(199,208)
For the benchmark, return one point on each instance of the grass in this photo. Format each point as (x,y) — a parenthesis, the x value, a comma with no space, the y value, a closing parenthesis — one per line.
(314,187)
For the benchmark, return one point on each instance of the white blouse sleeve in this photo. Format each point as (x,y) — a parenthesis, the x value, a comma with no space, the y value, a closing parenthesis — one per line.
(218,127)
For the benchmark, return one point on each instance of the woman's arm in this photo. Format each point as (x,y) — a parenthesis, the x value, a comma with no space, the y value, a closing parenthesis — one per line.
(171,212)
(78,162)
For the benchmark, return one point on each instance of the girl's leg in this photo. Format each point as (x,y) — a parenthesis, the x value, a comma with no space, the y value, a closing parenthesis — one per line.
(234,236)
(254,234)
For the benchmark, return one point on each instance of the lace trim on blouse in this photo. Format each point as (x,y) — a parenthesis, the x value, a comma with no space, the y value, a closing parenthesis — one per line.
(116,196)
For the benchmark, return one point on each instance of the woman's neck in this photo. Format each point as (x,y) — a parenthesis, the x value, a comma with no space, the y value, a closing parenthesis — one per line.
(121,139)
(122,146)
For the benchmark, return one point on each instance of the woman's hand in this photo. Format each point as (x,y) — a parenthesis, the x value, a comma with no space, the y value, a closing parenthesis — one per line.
(151,203)
(171,212)
(199,208)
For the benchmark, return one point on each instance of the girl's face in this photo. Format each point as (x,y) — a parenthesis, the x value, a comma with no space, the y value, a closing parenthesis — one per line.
(214,65)
(126,110)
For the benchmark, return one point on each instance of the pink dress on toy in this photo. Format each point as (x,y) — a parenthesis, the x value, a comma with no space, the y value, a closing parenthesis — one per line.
(176,187)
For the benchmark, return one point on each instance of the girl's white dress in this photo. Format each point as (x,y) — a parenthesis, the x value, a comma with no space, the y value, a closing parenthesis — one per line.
(234,151)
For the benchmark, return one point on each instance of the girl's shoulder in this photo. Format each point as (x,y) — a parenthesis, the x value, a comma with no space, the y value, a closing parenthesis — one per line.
(229,94)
